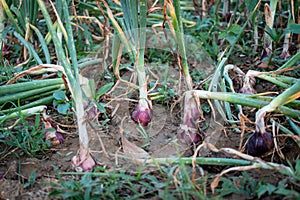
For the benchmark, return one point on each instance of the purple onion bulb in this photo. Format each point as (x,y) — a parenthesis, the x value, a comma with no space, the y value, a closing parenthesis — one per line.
(83,161)
(142,112)
(260,143)
(249,83)
(188,130)
(52,135)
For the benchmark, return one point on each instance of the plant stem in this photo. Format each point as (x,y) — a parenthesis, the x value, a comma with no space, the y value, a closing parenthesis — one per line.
(24,94)
(30,47)
(25,113)
(273,80)
(119,30)
(39,102)
(70,40)
(201,161)
(10,16)
(287,96)
(245,100)
(142,42)
(295,103)
(177,24)
(58,45)
(43,43)
(78,93)
(291,61)
(83,160)
(26,86)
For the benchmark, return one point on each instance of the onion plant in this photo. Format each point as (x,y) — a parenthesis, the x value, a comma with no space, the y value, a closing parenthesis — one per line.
(192,112)
(83,160)
(262,141)
(143,111)
(244,100)
(14,97)
(133,36)
(27,90)
(188,130)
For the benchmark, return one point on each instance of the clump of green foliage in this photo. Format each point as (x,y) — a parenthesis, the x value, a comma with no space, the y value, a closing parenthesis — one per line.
(26,136)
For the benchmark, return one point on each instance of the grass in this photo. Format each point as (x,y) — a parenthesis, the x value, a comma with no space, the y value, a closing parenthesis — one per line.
(248,187)
(106,184)
(168,182)
(27,137)
(230,36)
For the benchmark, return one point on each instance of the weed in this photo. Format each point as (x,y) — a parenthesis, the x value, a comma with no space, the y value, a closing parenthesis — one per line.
(29,138)
(31,181)
(60,102)
(247,187)
(172,183)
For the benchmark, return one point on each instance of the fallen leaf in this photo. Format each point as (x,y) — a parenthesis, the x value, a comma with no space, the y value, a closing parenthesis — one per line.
(131,150)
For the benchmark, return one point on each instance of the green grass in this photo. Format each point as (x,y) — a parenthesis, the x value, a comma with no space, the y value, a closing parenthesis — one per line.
(169,182)
(25,138)
(106,184)
(250,188)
